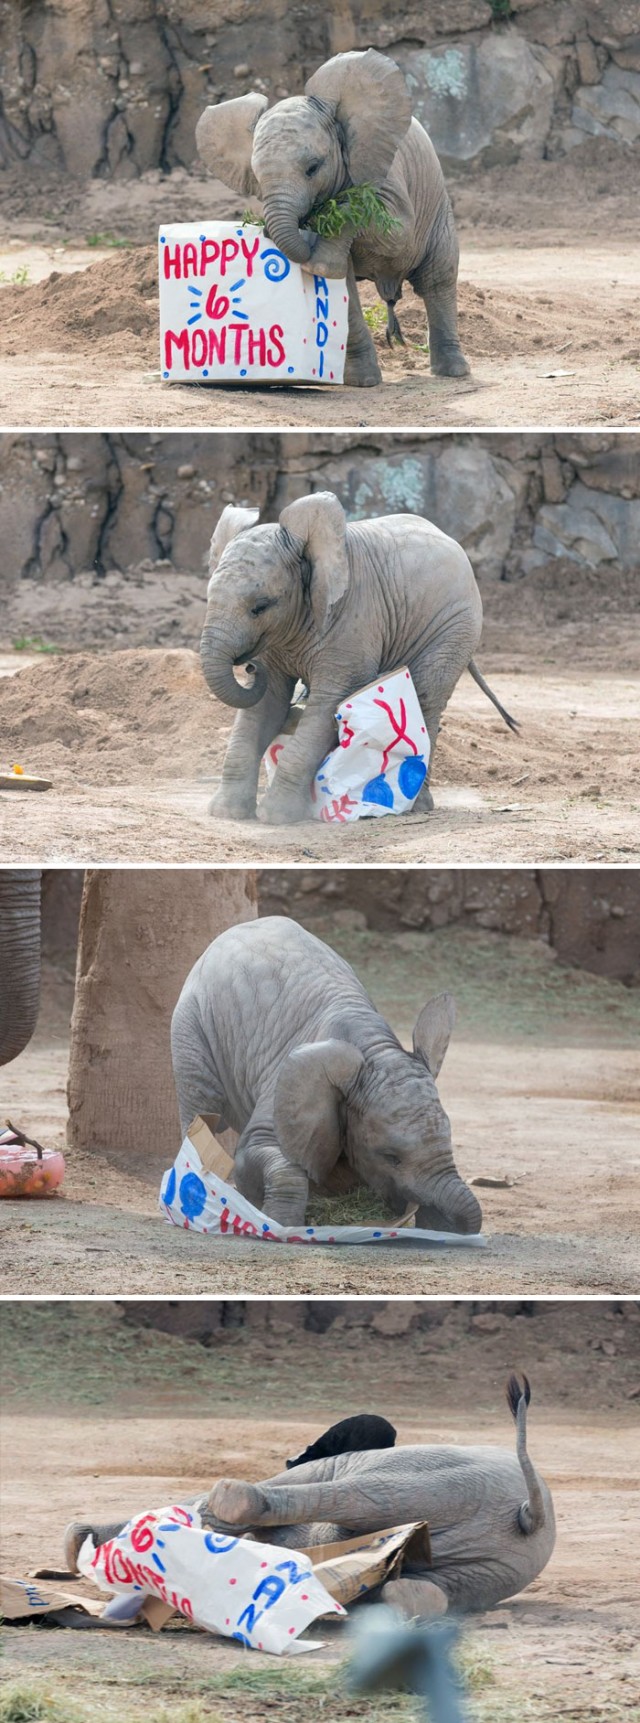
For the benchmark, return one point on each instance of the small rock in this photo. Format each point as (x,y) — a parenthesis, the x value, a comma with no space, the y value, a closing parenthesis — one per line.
(490,1323)
(588,63)
(350,918)
(186,472)
(396,1319)
(607,1346)
(241,71)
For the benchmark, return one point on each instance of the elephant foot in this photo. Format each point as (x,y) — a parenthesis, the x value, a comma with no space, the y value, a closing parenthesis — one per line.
(362,370)
(424,803)
(282,810)
(415,1598)
(226,806)
(236,1503)
(449,363)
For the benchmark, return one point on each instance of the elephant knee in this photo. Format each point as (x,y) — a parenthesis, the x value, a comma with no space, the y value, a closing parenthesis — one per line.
(415,1598)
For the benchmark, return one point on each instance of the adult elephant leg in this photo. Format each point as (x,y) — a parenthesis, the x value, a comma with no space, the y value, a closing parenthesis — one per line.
(252,732)
(415,1597)
(266,1178)
(436,281)
(361,370)
(289,797)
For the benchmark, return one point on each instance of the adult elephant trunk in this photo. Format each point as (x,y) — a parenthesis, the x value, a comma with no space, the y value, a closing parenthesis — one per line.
(218,657)
(19,959)
(448,1205)
(281,222)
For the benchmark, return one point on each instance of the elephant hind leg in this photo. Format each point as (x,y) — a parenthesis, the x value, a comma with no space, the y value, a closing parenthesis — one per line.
(415,1597)
(78,1531)
(436,281)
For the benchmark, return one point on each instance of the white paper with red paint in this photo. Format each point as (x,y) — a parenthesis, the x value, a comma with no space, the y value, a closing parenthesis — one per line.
(199,1201)
(234,309)
(263,1595)
(382,758)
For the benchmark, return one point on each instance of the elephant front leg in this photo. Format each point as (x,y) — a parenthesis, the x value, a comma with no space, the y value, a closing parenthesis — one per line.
(436,281)
(289,797)
(276,1186)
(362,370)
(254,729)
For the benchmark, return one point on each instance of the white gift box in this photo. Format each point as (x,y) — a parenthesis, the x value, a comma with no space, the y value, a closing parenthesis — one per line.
(233,308)
(261,1594)
(382,758)
(197,1200)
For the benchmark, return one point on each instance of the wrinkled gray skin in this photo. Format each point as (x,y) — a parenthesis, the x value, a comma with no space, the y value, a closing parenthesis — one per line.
(488,1539)
(352,126)
(275,1034)
(335,605)
(19,959)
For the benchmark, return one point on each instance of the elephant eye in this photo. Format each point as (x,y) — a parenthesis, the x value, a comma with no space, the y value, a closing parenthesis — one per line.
(262,605)
(393,1160)
(313,168)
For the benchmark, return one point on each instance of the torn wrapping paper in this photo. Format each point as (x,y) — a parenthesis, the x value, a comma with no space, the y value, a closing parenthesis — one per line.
(382,757)
(355,1565)
(260,1594)
(199,1201)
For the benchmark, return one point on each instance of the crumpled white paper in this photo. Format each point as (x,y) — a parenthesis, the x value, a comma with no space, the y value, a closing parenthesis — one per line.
(382,757)
(264,1595)
(200,1201)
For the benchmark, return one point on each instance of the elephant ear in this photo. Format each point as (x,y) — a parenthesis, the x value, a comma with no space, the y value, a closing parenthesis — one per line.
(312,1081)
(318,527)
(224,140)
(371,104)
(232,521)
(433,1031)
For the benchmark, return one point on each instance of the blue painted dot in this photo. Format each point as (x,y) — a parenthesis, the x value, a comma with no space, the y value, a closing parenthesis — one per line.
(170,1187)
(379,791)
(193,1195)
(310,1231)
(265,1226)
(203,236)
(239,231)
(243,373)
(377,1235)
(162,239)
(165,373)
(290,370)
(411,776)
(205,373)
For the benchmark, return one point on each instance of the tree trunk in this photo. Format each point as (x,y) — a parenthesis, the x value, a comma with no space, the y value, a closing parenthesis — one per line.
(141,931)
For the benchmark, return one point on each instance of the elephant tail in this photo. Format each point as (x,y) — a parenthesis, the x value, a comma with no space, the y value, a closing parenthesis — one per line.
(531,1516)
(474,671)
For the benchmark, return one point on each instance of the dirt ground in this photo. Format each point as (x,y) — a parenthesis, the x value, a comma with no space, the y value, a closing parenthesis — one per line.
(134,744)
(145,1418)
(542,1086)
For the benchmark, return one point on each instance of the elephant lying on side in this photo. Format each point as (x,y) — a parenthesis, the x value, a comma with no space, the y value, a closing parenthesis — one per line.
(487,1542)
(275,1034)
(352,126)
(336,606)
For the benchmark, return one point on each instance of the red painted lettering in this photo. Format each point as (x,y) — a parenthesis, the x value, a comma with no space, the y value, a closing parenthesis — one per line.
(172,263)
(259,341)
(230,249)
(209,251)
(249,254)
(182,342)
(217,345)
(143,1535)
(239,330)
(217,305)
(276,334)
(199,346)
(190,260)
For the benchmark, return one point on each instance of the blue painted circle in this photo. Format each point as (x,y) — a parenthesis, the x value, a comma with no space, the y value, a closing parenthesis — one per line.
(165,373)
(243,373)
(202,236)
(162,239)
(205,373)
(170,1187)
(411,776)
(290,370)
(379,791)
(193,1195)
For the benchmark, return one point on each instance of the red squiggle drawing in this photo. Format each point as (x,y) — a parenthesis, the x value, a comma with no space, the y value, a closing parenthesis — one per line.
(338,810)
(400,729)
(347,734)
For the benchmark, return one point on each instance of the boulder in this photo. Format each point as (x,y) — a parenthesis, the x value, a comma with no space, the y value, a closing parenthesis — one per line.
(483,102)
(610,109)
(592,527)
(458,486)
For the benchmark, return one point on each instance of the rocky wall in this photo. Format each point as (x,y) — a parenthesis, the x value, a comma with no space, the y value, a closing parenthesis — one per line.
(112,89)
(105,536)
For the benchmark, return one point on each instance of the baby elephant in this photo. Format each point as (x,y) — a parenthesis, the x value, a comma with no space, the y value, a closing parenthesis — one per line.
(488,1539)
(275,1034)
(336,606)
(352,127)
(350,1436)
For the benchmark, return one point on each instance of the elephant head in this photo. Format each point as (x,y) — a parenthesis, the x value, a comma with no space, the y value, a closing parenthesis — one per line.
(384,1113)
(345,130)
(268,585)
(19,959)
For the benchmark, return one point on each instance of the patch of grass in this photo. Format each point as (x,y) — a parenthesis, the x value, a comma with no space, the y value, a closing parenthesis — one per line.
(500,9)
(19,278)
(375,317)
(33,643)
(193,1712)
(360,1207)
(22,1704)
(251,220)
(98,241)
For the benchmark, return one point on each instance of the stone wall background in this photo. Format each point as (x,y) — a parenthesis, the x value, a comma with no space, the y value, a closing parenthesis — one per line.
(105,536)
(112,89)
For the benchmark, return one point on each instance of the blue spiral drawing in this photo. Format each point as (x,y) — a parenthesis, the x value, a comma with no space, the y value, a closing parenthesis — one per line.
(276,267)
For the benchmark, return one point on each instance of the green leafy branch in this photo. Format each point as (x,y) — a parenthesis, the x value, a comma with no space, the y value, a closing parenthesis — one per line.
(360,207)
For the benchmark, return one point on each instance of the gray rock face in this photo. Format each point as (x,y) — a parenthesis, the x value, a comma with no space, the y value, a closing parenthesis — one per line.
(611,108)
(458,486)
(481,102)
(593,527)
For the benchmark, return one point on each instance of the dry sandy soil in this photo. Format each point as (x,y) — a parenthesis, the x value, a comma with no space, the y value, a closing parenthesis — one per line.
(142,1419)
(549,328)
(543,1089)
(134,744)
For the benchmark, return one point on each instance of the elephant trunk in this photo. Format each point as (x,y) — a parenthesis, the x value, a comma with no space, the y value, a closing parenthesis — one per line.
(19,959)
(218,657)
(282,226)
(447,1205)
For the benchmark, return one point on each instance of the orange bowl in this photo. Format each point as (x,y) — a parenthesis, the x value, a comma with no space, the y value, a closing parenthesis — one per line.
(22,1174)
